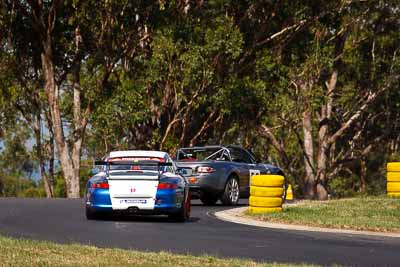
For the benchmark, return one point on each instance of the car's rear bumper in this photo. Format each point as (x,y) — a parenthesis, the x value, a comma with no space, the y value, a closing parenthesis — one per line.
(99,200)
(135,210)
(210,183)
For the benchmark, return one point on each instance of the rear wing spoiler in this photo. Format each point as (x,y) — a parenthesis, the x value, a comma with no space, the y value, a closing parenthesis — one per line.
(130,163)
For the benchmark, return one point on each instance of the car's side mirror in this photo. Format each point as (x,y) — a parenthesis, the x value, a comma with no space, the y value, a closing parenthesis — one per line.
(185,171)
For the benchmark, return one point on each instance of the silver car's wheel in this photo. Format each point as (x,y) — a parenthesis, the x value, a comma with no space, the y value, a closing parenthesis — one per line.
(231,192)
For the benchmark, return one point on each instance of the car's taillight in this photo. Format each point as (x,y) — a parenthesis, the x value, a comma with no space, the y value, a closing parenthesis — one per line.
(167,186)
(102,185)
(205,169)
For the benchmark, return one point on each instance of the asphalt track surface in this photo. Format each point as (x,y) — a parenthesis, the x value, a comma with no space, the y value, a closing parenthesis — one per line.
(63,221)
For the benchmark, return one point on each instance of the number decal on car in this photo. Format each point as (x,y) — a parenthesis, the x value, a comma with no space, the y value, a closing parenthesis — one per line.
(251,173)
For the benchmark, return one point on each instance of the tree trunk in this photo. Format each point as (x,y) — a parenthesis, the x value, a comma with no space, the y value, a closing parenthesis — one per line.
(71,175)
(323,149)
(308,155)
(325,116)
(363,176)
(78,132)
(48,185)
(50,149)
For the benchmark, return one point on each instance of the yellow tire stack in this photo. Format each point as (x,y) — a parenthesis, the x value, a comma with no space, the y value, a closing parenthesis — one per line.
(393,179)
(266,193)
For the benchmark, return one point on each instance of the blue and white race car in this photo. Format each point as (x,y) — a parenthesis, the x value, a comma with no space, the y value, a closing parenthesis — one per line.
(138,182)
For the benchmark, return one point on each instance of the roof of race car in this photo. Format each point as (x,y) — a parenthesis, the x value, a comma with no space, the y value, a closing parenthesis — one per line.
(138,153)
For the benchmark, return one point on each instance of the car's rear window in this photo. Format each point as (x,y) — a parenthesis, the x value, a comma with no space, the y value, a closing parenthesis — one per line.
(201,154)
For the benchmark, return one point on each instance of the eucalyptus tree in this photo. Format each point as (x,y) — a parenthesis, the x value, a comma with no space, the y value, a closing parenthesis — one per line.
(176,96)
(78,45)
(334,80)
(21,83)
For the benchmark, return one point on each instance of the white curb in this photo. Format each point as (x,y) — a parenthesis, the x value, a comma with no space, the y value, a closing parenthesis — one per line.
(233,215)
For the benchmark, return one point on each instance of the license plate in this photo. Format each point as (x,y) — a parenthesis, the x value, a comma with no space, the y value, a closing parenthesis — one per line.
(133,201)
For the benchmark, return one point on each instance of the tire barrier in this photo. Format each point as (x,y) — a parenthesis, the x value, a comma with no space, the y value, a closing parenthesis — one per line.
(393,176)
(262,191)
(289,193)
(393,167)
(266,193)
(264,210)
(393,187)
(267,180)
(393,179)
(265,202)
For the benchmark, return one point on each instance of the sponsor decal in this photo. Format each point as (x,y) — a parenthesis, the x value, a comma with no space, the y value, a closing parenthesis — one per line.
(253,172)
(133,201)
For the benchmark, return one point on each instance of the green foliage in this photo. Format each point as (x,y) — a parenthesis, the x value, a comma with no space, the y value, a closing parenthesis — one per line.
(14,186)
(158,76)
(33,192)
(59,181)
(15,158)
(85,174)
(59,185)
(179,80)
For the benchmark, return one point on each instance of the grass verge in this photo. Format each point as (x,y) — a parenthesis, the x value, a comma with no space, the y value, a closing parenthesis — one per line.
(379,214)
(17,252)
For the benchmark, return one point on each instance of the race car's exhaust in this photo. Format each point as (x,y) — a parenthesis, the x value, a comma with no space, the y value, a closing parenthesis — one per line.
(133,210)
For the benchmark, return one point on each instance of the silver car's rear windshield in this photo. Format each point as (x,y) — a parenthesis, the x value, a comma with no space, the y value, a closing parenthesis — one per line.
(202,154)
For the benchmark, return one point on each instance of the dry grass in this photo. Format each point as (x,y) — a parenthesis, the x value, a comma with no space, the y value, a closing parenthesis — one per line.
(16,252)
(381,214)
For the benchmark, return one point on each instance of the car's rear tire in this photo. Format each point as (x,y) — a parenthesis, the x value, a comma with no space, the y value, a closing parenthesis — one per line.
(231,194)
(92,215)
(184,212)
(208,199)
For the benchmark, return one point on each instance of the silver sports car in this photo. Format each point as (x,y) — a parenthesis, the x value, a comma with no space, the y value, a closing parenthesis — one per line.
(221,172)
